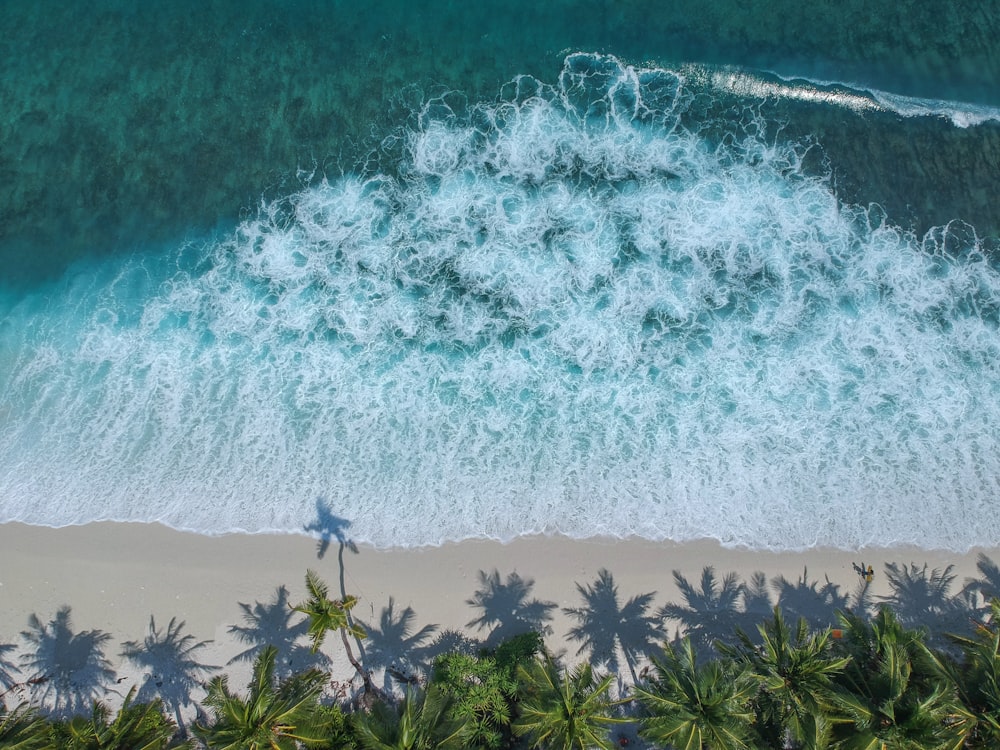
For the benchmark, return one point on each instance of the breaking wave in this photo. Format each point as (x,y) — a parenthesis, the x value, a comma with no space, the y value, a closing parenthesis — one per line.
(562,311)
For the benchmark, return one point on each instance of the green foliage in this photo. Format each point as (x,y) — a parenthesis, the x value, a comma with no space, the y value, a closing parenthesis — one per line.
(693,706)
(560,710)
(422,721)
(880,687)
(518,650)
(977,682)
(895,696)
(274,715)
(326,614)
(22,728)
(136,726)
(484,688)
(794,670)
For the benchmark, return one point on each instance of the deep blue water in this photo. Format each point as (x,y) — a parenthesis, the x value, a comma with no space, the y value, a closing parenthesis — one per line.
(442,272)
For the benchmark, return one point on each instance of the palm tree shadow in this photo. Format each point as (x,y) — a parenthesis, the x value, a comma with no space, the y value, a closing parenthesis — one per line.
(69,670)
(276,624)
(757,605)
(817,604)
(170,670)
(606,628)
(987,585)
(328,527)
(506,609)
(394,646)
(8,670)
(450,641)
(711,613)
(921,598)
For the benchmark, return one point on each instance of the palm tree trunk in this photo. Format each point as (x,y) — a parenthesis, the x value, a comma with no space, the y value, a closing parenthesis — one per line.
(369,685)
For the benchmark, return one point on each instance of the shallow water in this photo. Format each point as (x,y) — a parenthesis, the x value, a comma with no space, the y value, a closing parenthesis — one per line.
(486,284)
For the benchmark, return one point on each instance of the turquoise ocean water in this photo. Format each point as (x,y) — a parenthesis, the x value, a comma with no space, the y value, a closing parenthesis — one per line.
(447,270)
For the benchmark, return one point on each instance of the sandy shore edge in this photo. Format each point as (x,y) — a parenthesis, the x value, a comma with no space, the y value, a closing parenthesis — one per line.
(114,576)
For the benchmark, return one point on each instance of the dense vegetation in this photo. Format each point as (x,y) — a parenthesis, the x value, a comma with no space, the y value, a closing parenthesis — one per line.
(729,678)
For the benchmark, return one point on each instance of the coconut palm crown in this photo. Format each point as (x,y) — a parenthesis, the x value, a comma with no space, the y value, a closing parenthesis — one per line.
(564,710)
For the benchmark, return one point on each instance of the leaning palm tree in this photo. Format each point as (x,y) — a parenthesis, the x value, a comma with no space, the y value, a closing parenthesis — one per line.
(697,706)
(795,671)
(22,728)
(895,697)
(422,721)
(564,710)
(273,716)
(136,726)
(326,614)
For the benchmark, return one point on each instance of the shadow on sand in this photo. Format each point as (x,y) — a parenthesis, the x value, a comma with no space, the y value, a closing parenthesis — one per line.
(606,629)
(275,624)
(396,648)
(68,669)
(506,608)
(170,669)
(65,671)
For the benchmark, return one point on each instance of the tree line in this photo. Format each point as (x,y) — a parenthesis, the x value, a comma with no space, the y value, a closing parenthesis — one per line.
(867,680)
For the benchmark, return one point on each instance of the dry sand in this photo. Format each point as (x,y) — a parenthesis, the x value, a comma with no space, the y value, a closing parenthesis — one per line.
(115,576)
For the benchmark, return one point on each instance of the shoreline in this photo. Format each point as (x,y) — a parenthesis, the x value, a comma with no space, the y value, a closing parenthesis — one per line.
(115,576)
(328,528)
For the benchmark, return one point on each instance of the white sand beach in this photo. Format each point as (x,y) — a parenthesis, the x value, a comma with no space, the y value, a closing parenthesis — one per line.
(115,576)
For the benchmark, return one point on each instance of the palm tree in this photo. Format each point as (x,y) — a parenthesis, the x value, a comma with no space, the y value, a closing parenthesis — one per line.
(423,721)
(795,671)
(894,695)
(22,728)
(711,612)
(275,715)
(136,726)
(564,710)
(171,671)
(605,627)
(326,614)
(697,706)
(977,681)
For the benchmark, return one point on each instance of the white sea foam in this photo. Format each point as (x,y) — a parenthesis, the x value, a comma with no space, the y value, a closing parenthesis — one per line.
(853,96)
(564,312)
